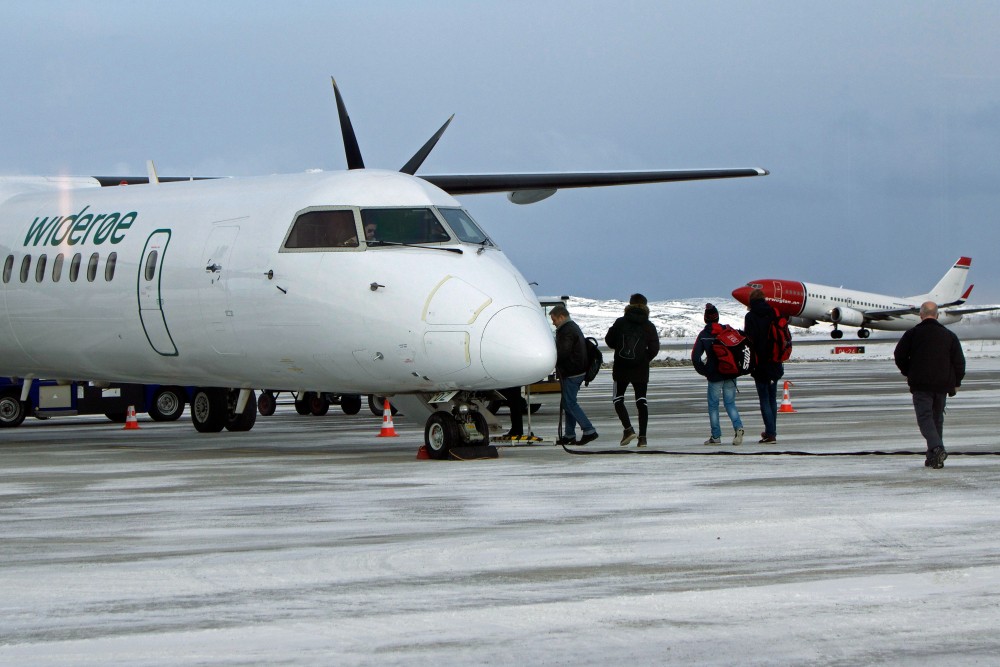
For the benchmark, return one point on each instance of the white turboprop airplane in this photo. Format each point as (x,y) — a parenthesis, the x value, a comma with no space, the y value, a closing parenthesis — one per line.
(357,281)
(805,304)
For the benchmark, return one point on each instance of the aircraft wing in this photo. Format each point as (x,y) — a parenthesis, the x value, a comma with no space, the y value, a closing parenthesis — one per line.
(966,311)
(467,184)
(883,315)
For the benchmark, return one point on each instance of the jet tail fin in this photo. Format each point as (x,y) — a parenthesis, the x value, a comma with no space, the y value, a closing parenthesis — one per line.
(949,289)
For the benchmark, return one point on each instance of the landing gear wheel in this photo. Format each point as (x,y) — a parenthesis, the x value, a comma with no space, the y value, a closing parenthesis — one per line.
(377,405)
(836,334)
(864,333)
(318,406)
(266,403)
(482,426)
(209,410)
(167,404)
(302,406)
(350,404)
(441,434)
(12,410)
(245,420)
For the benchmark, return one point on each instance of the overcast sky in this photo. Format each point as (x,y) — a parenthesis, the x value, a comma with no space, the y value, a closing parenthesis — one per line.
(879,122)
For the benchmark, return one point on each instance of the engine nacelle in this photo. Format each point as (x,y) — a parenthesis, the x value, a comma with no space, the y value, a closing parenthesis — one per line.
(804,322)
(848,316)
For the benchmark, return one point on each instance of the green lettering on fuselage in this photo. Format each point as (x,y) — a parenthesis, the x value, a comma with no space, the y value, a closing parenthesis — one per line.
(76,229)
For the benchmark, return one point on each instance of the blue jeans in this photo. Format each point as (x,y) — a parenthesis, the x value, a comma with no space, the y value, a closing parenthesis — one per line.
(767,392)
(574,413)
(727,389)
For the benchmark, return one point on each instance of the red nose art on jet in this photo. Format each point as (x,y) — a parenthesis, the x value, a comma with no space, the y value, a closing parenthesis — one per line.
(788,296)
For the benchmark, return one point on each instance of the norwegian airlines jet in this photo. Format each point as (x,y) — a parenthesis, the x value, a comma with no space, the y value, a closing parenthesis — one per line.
(358,281)
(805,304)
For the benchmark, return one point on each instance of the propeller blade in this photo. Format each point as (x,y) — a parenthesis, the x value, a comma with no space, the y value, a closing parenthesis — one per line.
(351,149)
(425,150)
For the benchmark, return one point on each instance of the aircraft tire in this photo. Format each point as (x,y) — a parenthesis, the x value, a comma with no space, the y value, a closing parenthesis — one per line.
(441,434)
(245,420)
(350,404)
(167,404)
(318,406)
(12,411)
(209,410)
(376,404)
(266,403)
(302,406)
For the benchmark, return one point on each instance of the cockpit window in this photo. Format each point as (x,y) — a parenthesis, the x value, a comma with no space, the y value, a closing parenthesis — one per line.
(392,226)
(323,229)
(464,226)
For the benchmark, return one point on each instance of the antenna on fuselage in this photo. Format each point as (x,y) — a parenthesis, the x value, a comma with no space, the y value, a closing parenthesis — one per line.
(351,149)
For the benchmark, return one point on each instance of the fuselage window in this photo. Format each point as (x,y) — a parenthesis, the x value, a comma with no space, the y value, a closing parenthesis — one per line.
(464,226)
(40,268)
(25,268)
(8,268)
(150,269)
(402,225)
(57,265)
(74,267)
(109,266)
(323,229)
(92,267)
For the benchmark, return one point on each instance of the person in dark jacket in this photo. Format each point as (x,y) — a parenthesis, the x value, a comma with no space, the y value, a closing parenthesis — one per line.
(635,342)
(718,384)
(766,373)
(931,358)
(571,366)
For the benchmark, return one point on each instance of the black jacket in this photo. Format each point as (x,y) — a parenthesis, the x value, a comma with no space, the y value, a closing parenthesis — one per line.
(757,327)
(571,350)
(634,339)
(931,358)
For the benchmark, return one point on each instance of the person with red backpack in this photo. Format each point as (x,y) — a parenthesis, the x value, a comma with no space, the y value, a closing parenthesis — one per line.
(759,325)
(720,382)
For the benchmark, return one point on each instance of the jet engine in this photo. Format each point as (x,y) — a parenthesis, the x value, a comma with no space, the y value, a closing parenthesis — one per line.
(804,322)
(848,316)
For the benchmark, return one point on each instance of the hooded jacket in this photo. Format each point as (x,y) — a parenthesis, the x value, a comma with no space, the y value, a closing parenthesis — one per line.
(634,339)
(757,327)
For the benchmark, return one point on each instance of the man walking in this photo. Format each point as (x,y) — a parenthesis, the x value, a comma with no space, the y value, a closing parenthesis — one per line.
(571,366)
(635,342)
(931,358)
(766,373)
(719,385)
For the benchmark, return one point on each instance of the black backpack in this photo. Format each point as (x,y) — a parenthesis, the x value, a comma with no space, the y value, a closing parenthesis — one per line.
(632,346)
(594,360)
(780,338)
(732,351)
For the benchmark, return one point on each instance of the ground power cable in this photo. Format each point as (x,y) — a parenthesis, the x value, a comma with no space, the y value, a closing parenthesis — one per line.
(764,453)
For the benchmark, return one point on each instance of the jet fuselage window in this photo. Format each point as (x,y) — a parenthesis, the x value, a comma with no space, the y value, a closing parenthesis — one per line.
(150,269)
(57,265)
(464,226)
(8,268)
(25,268)
(74,267)
(314,230)
(40,268)
(109,266)
(92,267)
(402,225)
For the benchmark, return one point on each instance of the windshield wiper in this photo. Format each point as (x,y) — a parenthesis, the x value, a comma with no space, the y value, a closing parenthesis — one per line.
(416,245)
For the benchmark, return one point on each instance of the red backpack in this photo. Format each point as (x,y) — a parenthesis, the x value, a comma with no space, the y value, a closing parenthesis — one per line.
(780,338)
(732,351)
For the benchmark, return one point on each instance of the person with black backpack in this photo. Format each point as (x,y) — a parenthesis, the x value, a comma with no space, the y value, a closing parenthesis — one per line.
(721,376)
(759,324)
(571,366)
(636,343)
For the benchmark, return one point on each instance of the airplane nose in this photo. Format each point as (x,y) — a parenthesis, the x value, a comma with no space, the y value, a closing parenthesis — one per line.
(518,347)
(742,294)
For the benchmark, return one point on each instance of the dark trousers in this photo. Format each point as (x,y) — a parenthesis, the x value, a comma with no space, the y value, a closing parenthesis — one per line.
(512,396)
(639,387)
(929,406)
(767,394)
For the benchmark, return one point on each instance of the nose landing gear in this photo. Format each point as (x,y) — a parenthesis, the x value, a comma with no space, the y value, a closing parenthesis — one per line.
(461,426)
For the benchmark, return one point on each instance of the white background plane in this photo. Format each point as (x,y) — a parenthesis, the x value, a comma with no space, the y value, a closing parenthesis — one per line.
(805,304)
(271,282)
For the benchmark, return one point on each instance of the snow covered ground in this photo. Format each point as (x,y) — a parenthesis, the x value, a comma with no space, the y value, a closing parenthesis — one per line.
(311,541)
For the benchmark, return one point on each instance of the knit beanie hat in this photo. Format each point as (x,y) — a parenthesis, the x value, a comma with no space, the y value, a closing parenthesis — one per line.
(711,313)
(637,300)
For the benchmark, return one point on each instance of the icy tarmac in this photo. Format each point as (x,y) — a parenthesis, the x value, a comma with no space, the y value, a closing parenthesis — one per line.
(312,541)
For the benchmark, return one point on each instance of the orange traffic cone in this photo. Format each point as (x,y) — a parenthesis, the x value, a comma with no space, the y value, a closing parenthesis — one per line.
(130,421)
(786,403)
(422,453)
(388,430)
